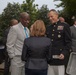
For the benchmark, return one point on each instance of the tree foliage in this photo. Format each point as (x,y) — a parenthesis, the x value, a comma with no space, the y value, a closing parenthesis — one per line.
(42,14)
(69,8)
(13,10)
(31,8)
(10,12)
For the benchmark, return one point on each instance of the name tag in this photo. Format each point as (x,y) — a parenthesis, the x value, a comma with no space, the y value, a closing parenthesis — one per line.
(55,56)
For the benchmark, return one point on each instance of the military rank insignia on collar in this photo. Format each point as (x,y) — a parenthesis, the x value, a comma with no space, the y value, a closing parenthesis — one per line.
(60,27)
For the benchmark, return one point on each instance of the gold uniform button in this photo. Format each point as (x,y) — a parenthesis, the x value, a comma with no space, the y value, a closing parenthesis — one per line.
(53,30)
(60,49)
(51,39)
(59,36)
(54,25)
(59,32)
(52,34)
(70,50)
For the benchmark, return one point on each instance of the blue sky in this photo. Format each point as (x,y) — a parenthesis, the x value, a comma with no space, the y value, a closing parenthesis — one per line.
(49,3)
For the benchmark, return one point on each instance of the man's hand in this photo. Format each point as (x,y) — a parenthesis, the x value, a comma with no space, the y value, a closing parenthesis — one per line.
(61,56)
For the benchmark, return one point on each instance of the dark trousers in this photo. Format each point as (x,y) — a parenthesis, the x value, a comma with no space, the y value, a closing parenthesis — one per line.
(6,65)
(35,72)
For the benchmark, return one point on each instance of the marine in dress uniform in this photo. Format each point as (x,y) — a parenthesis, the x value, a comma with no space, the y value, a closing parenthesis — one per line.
(59,33)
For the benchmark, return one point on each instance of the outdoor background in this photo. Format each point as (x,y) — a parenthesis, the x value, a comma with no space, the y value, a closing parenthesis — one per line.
(38,9)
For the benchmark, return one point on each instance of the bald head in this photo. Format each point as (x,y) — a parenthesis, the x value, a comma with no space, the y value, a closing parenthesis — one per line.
(61,19)
(13,22)
(24,18)
(24,14)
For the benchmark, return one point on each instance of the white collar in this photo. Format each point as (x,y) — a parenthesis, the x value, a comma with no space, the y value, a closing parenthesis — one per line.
(74,25)
(22,25)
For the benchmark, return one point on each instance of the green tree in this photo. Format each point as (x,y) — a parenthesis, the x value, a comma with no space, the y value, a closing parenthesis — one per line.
(10,12)
(42,14)
(69,9)
(31,8)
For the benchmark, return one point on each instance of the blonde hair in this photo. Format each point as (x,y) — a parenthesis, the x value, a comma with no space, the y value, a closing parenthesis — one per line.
(38,28)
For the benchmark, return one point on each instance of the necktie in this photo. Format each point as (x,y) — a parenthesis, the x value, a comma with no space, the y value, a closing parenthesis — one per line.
(26,32)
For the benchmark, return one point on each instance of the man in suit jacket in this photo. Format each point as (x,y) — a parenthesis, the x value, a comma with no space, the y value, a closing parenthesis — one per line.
(7,60)
(73,35)
(15,41)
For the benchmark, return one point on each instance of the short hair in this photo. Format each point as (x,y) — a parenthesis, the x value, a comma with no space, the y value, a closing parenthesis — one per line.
(38,28)
(62,19)
(53,10)
(13,22)
(23,14)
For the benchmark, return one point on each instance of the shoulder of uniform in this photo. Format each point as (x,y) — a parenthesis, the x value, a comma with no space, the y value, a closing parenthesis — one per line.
(48,26)
(71,26)
(65,24)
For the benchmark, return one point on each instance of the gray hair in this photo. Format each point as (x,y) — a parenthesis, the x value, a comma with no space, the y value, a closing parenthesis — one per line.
(53,11)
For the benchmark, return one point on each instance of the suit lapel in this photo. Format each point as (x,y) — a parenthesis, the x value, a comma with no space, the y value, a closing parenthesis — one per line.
(22,30)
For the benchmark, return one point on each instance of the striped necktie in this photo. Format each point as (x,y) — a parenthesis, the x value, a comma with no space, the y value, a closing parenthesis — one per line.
(25,29)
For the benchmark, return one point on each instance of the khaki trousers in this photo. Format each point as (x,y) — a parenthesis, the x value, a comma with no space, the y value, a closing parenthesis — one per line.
(17,66)
(56,70)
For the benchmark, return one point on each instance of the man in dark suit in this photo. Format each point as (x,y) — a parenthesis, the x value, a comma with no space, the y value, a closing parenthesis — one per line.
(73,35)
(7,60)
(59,33)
